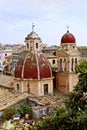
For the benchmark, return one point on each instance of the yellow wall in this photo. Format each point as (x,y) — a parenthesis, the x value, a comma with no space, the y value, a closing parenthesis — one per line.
(36,87)
(66,82)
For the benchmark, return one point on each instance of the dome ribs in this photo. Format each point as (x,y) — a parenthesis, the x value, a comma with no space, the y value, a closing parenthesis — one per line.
(33,65)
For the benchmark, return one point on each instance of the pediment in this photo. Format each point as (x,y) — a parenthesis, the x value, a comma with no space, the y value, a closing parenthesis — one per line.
(62,53)
(74,53)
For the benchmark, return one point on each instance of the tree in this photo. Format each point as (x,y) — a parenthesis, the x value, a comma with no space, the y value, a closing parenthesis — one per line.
(74,115)
(8,113)
(77,100)
(25,109)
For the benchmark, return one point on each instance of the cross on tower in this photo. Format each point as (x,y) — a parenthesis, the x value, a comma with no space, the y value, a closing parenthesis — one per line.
(33,27)
(67,28)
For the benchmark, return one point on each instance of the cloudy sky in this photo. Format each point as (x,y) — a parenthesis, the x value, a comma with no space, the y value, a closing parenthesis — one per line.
(50,17)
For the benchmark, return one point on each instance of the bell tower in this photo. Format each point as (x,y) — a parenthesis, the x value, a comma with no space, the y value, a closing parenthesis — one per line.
(68,56)
(33,41)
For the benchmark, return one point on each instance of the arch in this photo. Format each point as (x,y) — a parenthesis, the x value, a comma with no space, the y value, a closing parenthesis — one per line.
(75,61)
(36,45)
(72,64)
(61,65)
(18,88)
(64,64)
(27,45)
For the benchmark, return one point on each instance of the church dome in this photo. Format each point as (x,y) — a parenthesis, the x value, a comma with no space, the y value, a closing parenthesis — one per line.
(33,65)
(68,38)
(32,35)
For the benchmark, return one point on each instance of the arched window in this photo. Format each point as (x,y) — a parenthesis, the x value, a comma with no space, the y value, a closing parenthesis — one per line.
(73,47)
(75,61)
(45,88)
(61,65)
(64,65)
(18,88)
(72,64)
(27,45)
(36,45)
(53,61)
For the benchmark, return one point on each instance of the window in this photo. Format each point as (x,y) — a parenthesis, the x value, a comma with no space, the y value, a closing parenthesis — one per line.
(15,57)
(36,45)
(17,87)
(64,65)
(61,68)
(75,60)
(41,112)
(5,54)
(14,65)
(73,47)
(27,45)
(53,61)
(45,88)
(72,65)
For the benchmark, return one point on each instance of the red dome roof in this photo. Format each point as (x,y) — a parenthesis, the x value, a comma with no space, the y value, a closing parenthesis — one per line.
(33,65)
(68,38)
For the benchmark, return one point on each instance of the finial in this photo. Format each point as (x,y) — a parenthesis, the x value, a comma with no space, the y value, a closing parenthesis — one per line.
(67,28)
(33,27)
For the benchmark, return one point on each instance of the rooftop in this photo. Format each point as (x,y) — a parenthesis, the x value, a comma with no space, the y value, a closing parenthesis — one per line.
(8,98)
(6,81)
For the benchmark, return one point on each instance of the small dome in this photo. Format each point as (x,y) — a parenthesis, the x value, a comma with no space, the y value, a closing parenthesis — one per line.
(32,35)
(68,38)
(33,65)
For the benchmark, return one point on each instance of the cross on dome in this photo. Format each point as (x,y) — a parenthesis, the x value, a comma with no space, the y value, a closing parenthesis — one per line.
(67,28)
(33,27)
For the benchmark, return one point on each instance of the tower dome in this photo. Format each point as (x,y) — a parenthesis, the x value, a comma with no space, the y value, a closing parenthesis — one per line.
(32,65)
(68,38)
(32,35)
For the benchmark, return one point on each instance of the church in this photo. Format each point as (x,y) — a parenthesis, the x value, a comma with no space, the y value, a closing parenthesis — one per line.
(33,72)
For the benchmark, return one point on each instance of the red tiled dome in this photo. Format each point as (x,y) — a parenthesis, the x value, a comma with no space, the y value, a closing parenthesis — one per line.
(68,38)
(33,65)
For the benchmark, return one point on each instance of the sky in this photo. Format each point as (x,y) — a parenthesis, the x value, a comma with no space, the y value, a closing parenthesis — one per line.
(50,17)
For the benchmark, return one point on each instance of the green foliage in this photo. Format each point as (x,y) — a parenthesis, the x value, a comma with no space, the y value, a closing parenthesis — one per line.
(25,109)
(82,119)
(8,113)
(82,73)
(74,116)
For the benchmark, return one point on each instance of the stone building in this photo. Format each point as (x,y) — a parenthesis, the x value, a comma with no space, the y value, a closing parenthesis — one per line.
(83,52)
